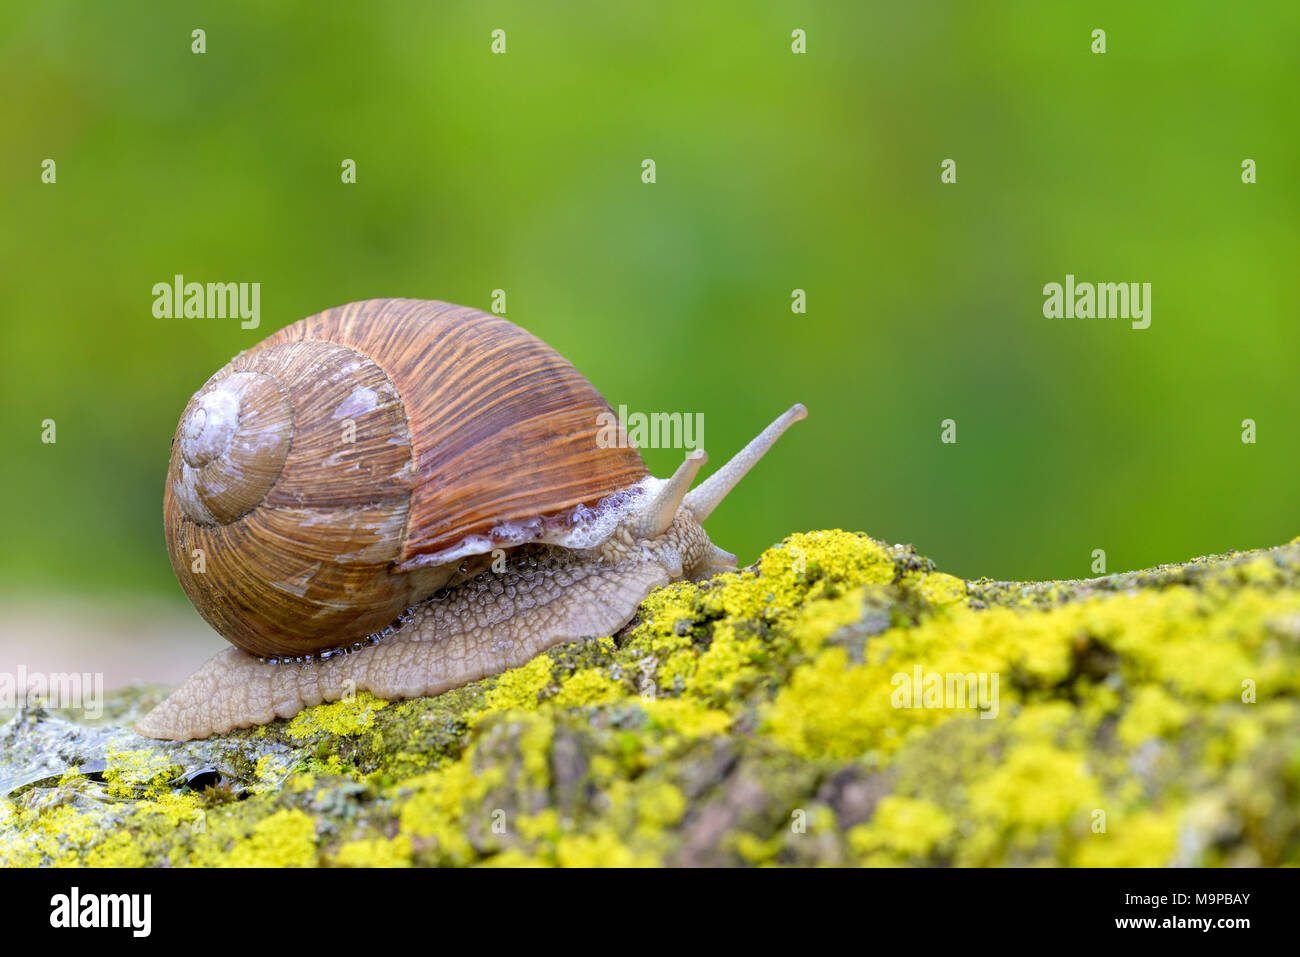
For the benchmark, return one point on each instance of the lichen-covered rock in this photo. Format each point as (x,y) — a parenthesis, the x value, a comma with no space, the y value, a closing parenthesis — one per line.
(841,702)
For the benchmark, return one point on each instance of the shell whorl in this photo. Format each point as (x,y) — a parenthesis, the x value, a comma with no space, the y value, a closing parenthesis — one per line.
(233,439)
(336,473)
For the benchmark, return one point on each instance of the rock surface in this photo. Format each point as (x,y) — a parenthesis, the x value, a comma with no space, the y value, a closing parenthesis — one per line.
(1149,718)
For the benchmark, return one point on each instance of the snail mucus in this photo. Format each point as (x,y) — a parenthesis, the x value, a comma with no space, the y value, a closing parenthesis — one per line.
(401,497)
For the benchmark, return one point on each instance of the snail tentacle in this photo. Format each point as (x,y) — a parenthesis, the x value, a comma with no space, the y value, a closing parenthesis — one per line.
(710,493)
(659,513)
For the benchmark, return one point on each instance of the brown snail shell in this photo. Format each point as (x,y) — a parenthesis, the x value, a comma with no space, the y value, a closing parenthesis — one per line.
(341,470)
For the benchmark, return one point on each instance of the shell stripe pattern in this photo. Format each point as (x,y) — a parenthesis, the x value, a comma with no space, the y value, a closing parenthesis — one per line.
(503,428)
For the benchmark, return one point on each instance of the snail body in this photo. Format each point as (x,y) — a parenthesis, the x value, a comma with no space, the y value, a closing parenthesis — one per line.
(401,497)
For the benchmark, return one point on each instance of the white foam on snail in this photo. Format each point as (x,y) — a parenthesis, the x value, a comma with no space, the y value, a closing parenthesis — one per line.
(580,528)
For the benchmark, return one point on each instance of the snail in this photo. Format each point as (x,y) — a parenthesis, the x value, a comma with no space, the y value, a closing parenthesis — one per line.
(401,497)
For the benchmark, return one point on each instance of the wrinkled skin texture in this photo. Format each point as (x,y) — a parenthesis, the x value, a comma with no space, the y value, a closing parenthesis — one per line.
(484,626)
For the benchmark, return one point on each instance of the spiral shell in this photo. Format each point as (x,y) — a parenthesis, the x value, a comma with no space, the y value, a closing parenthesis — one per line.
(341,470)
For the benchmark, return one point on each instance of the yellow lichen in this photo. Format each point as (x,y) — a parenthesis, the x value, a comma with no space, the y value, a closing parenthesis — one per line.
(1035,786)
(659,805)
(588,686)
(1147,839)
(434,806)
(686,718)
(902,830)
(519,687)
(286,838)
(599,849)
(376,852)
(138,773)
(732,661)
(805,567)
(942,591)
(272,769)
(119,849)
(348,716)
(1152,713)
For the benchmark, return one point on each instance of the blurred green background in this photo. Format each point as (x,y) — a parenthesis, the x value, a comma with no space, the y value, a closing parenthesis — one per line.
(775,171)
